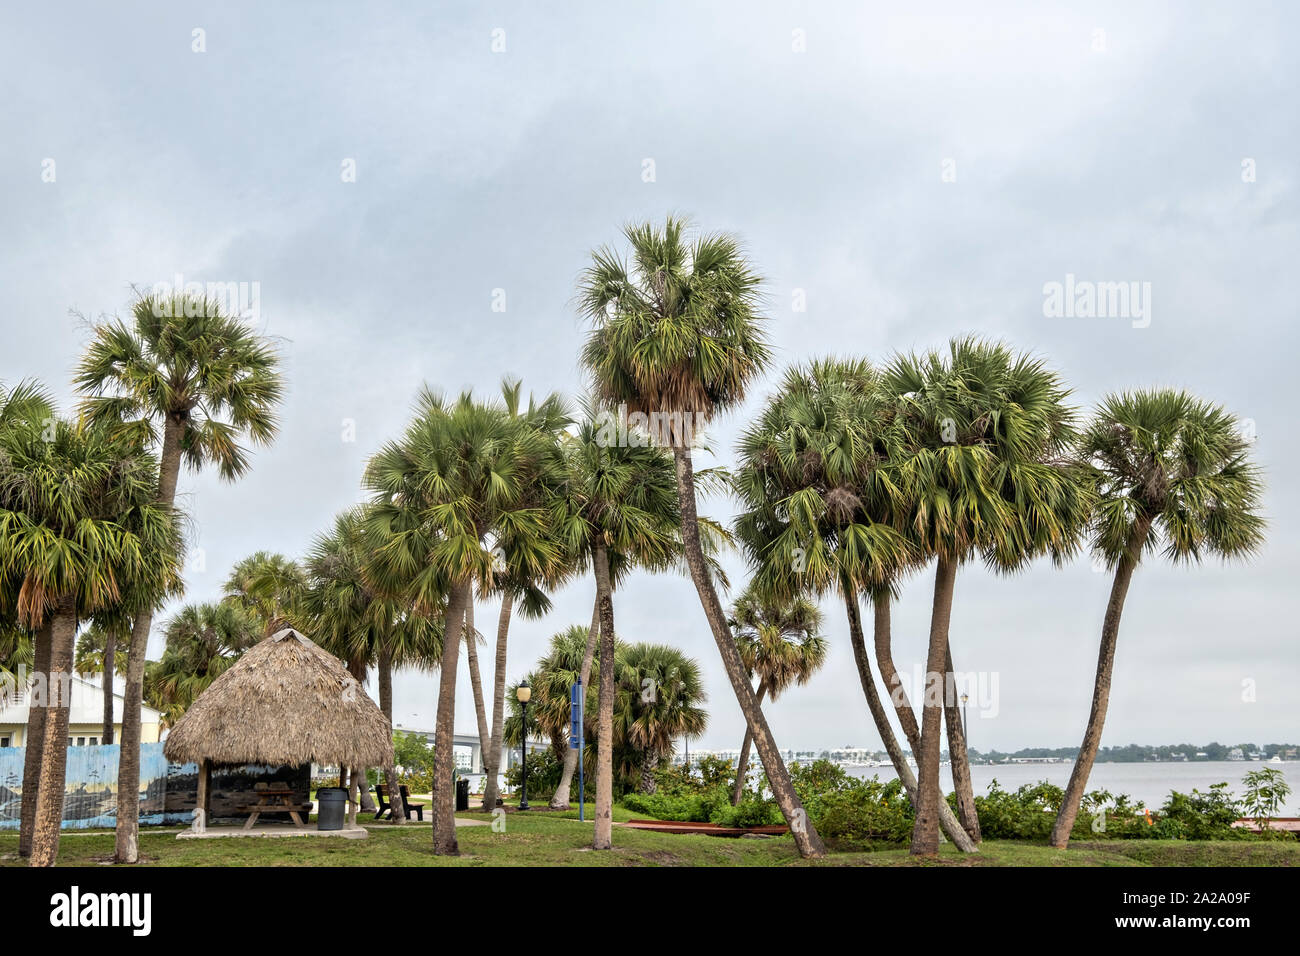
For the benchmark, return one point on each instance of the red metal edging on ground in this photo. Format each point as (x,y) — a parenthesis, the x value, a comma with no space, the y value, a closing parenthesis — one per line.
(706,829)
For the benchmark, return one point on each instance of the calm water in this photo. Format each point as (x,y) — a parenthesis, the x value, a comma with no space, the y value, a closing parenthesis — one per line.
(1146,783)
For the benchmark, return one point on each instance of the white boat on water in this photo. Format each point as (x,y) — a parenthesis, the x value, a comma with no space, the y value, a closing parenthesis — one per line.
(1275,759)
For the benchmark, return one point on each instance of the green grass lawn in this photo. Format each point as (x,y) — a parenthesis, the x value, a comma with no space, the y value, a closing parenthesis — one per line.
(552,839)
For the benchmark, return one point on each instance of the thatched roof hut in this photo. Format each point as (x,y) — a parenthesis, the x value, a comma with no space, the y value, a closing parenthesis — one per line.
(285,701)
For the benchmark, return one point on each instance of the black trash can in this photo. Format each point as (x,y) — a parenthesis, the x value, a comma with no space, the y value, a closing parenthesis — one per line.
(462,794)
(331,808)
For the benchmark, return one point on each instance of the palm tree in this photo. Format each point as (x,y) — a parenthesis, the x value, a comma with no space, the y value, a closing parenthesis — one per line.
(677,337)
(343,609)
(619,510)
(663,697)
(511,579)
(80,528)
(817,516)
(195,382)
(202,642)
(1170,469)
(779,642)
(979,437)
(23,406)
(460,474)
(551,681)
(101,649)
(267,586)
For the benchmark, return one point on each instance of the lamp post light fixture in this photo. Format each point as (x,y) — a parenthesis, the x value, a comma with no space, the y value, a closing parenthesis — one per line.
(524,694)
(965,726)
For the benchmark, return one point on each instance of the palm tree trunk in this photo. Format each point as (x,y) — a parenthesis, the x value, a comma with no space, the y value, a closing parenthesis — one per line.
(34,737)
(398,813)
(110,648)
(958,759)
(806,837)
(742,765)
(492,756)
(947,819)
(475,682)
(127,841)
(563,793)
(649,764)
(925,832)
(604,833)
(444,735)
(1069,811)
(357,775)
(54,752)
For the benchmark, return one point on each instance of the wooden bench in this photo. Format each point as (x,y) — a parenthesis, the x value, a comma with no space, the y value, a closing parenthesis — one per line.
(412,809)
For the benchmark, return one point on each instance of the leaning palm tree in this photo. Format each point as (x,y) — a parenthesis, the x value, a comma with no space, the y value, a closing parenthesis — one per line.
(677,337)
(80,528)
(1173,470)
(663,699)
(459,476)
(781,645)
(195,382)
(978,446)
(818,517)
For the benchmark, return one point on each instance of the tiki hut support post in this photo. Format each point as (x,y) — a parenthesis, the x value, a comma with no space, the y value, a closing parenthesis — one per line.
(203,802)
(352,797)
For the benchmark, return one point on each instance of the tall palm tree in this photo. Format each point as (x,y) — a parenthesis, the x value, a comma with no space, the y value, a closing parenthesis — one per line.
(202,642)
(619,509)
(23,406)
(80,527)
(1173,470)
(677,337)
(267,586)
(346,613)
(980,437)
(101,649)
(662,700)
(459,476)
(780,643)
(518,588)
(818,516)
(195,382)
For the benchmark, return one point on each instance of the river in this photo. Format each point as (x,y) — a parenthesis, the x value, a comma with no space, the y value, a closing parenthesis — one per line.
(1146,783)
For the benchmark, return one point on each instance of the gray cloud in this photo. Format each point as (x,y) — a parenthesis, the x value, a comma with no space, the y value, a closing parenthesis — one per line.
(479,171)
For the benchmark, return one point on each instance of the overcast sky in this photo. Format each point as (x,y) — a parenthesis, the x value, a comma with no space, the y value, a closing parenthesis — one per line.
(911,177)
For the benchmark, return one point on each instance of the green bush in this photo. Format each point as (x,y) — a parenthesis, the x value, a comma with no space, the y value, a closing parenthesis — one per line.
(544,772)
(849,812)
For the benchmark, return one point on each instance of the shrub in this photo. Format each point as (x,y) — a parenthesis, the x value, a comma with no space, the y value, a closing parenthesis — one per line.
(851,813)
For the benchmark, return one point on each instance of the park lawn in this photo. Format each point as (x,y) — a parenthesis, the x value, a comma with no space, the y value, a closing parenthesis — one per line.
(554,839)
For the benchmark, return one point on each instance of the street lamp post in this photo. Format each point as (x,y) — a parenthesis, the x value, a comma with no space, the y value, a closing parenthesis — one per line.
(524,693)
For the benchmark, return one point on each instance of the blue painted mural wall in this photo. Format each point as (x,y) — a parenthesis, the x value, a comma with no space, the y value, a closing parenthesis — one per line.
(91,791)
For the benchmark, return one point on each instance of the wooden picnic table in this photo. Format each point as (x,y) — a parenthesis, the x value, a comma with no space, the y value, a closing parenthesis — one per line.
(275,800)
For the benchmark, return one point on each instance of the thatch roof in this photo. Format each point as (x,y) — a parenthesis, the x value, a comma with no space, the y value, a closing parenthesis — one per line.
(285,701)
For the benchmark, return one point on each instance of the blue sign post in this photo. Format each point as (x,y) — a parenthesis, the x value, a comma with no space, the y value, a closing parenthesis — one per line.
(576,697)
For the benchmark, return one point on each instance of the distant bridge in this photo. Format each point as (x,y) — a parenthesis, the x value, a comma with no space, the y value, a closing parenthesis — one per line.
(469,750)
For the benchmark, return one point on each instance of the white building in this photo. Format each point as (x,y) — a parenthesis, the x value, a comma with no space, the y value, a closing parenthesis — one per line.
(85,718)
